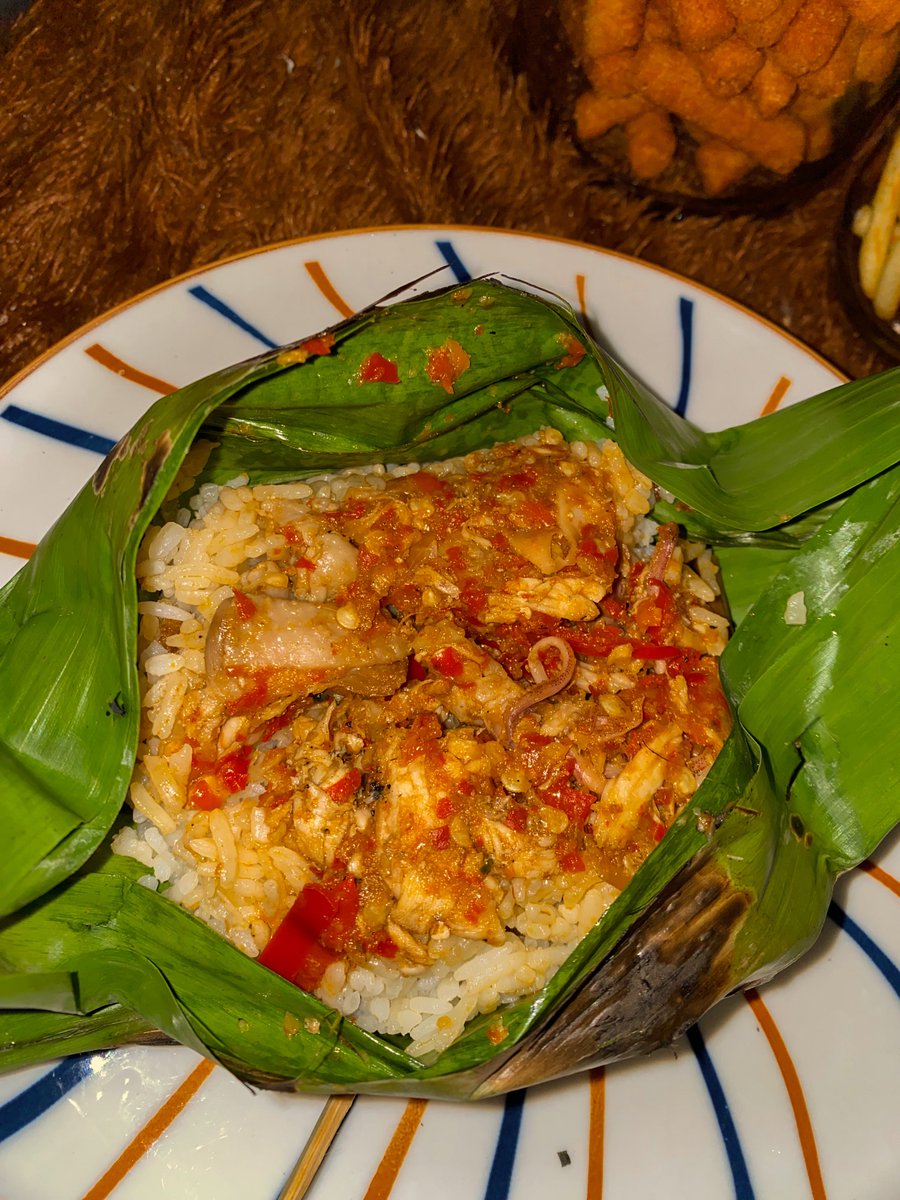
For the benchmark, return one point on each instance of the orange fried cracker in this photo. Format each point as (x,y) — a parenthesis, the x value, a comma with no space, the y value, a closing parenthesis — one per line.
(751,10)
(877,56)
(880,16)
(729,67)
(596,115)
(833,79)
(612,25)
(720,166)
(651,143)
(771,89)
(819,138)
(613,74)
(810,39)
(669,78)
(809,108)
(701,24)
(767,31)
(658,25)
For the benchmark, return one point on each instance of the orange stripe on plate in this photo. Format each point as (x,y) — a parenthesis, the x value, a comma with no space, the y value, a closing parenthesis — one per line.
(17,549)
(327,288)
(778,394)
(389,1168)
(794,1090)
(118,366)
(152,1131)
(596,1133)
(866,865)
(582,305)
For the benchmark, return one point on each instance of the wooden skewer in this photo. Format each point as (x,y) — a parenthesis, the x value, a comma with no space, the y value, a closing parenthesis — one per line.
(323,1134)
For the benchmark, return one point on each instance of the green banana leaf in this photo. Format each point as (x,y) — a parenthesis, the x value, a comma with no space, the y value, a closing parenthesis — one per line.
(805,500)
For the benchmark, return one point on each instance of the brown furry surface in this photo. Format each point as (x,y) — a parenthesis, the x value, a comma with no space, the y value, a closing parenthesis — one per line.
(137,141)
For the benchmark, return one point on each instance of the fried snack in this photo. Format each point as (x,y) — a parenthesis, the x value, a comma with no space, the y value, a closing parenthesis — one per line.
(729,67)
(819,138)
(862,219)
(658,25)
(596,115)
(876,244)
(612,74)
(811,38)
(721,166)
(816,116)
(887,294)
(832,80)
(877,55)
(669,78)
(771,89)
(769,78)
(701,24)
(878,15)
(613,25)
(751,10)
(767,31)
(651,143)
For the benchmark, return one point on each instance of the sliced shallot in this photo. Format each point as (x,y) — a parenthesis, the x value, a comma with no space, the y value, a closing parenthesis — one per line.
(545,686)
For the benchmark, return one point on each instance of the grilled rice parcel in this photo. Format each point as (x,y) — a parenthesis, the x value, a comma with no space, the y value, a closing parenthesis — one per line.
(406,733)
(402,735)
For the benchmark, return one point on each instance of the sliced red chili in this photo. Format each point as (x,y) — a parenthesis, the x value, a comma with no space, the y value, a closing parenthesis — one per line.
(254,695)
(440,837)
(415,670)
(652,651)
(449,662)
(246,607)
(317,927)
(536,514)
(319,345)
(518,481)
(202,795)
(575,802)
(342,789)
(597,642)
(445,364)
(427,483)
(233,770)
(516,817)
(575,351)
(378,369)
(382,944)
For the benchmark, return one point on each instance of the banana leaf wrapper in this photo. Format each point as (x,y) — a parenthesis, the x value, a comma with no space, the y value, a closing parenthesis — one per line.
(806,500)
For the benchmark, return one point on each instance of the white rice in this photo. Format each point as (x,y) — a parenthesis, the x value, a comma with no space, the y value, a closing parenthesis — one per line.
(229,866)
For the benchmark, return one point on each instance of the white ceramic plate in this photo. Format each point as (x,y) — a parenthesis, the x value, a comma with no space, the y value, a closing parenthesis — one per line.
(791,1093)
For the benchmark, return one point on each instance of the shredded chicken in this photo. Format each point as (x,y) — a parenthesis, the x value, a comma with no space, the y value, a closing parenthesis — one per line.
(467,678)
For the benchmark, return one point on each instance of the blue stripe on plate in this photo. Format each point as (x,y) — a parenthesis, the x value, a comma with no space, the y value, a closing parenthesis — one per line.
(35,1100)
(453,261)
(60,431)
(889,969)
(507,1144)
(205,296)
(686,321)
(743,1189)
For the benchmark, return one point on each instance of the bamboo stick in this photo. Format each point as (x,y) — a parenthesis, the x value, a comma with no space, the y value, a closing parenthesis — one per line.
(323,1134)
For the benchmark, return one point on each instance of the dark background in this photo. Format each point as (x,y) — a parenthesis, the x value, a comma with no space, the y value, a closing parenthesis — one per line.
(138,141)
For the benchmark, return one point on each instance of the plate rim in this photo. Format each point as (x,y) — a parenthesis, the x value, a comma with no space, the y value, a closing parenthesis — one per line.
(46,357)
(423,227)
